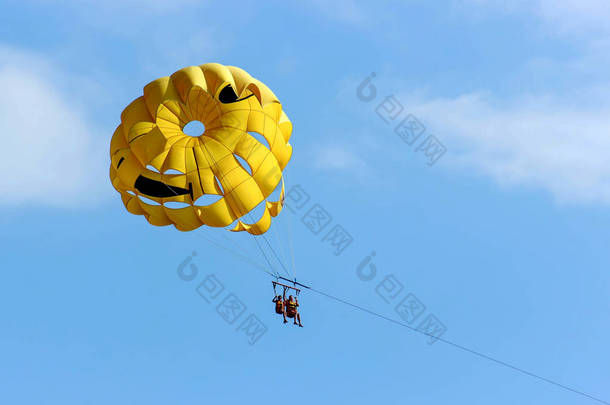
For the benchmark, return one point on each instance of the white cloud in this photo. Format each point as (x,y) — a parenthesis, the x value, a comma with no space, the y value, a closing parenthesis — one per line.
(559,141)
(50,156)
(536,141)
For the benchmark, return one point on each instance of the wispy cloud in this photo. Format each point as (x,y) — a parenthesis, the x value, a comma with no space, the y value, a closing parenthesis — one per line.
(51,154)
(536,141)
(559,140)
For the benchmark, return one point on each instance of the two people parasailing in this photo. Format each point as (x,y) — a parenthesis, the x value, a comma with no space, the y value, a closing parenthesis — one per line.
(287,307)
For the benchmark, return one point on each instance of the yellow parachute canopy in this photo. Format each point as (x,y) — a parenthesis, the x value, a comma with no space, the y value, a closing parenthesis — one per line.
(151,156)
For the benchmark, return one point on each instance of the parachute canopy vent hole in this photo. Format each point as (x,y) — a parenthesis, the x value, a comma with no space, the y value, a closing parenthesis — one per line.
(194,128)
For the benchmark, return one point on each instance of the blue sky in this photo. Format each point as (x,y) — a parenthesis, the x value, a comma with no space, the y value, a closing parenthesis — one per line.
(503,239)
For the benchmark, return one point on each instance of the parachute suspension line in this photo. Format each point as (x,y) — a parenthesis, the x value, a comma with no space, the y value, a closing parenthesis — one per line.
(220,245)
(276,238)
(247,252)
(290,241)
(284,239)
(277,258)
(283,243)
(264,238)
(241,257)
(236,248)
(264,255)
(247,214)
(280,260)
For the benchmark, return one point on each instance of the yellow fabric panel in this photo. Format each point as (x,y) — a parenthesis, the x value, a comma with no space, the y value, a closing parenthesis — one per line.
(185,219)
(132,204)
(216,74)
(157,161)
(213,150)
(130,169)
(147,148)
(256,122)
(190,160)
(134,113)
(241,78)
(138,129)
(285,127)
(258,228)
(168,122)
(233,179)
(155,214)
(151,135)
(275,207)
(114,179)
(252,151)
(157,92)
(201,106)
(117,142)
(268,175)
(203,182)
(176,180)
(226,136)
(244,197)
(186,198)
(237,118)
(280,149)
(204,176)
(272,208)
(217,214)
(209,183)
(267,95)
(200,155)
(175,159)
(273,111)
(185,79)
(178,109)
(229,172)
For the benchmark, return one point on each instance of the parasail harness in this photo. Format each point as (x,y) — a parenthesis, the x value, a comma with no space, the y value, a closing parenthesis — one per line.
(287,287)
